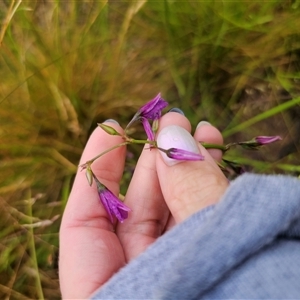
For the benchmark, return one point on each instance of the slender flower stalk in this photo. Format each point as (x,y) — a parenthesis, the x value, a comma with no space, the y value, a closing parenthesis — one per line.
(89,162)
(111,203)
(223,148)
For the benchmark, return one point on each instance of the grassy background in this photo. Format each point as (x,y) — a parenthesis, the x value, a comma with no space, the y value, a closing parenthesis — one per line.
(66,65)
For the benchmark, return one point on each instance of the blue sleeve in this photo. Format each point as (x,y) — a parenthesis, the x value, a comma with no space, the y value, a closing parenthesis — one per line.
(246,246)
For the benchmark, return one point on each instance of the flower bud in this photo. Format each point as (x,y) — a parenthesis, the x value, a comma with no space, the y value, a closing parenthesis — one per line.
(108,129)
(263,140)
(183,155)
(258,141)
(89,175)
(155,126)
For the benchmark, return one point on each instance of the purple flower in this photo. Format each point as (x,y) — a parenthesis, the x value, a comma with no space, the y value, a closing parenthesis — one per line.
(111,203)
(184,155)
(263,140)
(149,111)
(258,141)
(152,109)
(148,129)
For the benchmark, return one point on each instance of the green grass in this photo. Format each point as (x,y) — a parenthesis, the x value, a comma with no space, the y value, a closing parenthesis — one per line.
(66,65)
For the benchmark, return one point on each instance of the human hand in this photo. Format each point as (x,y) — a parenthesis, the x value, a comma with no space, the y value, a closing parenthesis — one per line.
(91,248)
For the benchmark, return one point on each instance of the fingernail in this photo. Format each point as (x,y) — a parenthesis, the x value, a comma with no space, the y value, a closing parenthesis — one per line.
(174,136)
(111,121)
(177,110)
(202,123)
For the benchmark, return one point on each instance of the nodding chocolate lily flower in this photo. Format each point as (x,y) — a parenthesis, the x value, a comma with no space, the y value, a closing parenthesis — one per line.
(111,203)
(149,111)
(184,155)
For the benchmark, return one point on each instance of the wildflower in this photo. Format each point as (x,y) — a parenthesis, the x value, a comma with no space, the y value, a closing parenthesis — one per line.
(259,141)
(111,203)
(263,140)
(148,129)
(179,154)
(149,111)
(152,109)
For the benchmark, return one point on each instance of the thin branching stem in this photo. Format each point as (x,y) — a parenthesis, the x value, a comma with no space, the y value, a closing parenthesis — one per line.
(224,148)
(89,162)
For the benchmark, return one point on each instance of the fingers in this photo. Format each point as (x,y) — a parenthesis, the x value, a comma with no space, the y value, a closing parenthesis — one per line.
(89,250)
(191,185)
(209,134)
(108,169)
(150,214)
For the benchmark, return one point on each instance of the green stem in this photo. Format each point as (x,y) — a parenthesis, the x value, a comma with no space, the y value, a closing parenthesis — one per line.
(214,146)
(33,254)
(224,148)
(89,162)
(128,140)
(133,141)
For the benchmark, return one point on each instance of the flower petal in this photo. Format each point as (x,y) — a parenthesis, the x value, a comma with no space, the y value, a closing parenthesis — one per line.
(263,140)
(152,109)
(184,155)
(112,204)
(148,129)
(105,198)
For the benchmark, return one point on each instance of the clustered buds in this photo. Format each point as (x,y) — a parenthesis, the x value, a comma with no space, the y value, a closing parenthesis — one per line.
(151,112)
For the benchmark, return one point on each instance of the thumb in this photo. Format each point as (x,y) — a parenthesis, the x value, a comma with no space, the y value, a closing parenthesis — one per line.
(187,186)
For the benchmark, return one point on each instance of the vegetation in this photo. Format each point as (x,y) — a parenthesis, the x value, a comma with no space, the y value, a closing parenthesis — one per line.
(66,65)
